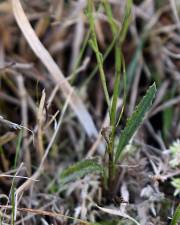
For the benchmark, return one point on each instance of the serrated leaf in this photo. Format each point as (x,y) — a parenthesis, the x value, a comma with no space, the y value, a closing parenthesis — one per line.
(135,120)
(80,170)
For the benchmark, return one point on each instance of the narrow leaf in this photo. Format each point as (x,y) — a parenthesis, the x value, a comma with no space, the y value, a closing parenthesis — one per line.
(118,53)
(80,170)
(109,13)
(176,217)
(126,20)
(135,120)
(105,55)
(94,44)
(125,91)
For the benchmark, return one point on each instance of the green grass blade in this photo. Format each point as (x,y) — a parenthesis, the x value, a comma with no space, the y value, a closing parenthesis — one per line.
(80,170)
(111,21)
(95,48)
(125,25)
(176,217)
(118,57)
(118,53)
(126,20)
(74,72)
(125,91)
(106,54)
(135,120)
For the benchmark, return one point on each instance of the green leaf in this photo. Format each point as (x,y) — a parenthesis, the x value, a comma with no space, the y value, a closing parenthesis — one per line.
(118,53)
(135,120)
(176,217)
(95,48)
(126,20)
(105,55)
(80,170)
(118,57)
(109,13)
(125,92)
(176,183)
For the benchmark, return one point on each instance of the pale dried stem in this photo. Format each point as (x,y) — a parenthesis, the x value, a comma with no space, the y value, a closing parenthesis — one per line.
(40,122)
(56,74)
(167,104)
(78,38)
(24,115)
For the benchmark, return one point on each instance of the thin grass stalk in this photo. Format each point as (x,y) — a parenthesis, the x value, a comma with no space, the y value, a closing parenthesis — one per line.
(125,91)
(106,54)
(118,63)
(99,58)
(73,75)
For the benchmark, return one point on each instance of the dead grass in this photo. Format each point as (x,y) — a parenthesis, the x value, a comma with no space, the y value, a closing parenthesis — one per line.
(41,74)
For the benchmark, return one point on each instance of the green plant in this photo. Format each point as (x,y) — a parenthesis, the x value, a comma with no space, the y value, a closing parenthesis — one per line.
(176,184)
(176,216)
(175,162)
(175,152)
(109,170)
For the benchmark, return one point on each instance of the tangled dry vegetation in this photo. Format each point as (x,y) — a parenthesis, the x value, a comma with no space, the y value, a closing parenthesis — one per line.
(52,111)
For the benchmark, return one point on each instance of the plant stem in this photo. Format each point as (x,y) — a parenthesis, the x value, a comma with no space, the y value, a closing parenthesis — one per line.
(111,168)
(99,57)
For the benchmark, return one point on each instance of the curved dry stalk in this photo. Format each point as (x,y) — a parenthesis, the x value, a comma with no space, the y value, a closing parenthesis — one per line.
(56,74)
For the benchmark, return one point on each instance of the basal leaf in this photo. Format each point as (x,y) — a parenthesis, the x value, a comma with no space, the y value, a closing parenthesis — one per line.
(135,120)
(80,170)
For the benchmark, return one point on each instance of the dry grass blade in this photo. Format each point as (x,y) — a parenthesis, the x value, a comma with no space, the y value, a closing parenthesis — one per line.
(166,105)
(40,119)
(57,75)
(23,177)
(46,213)
(117,213)
(26,185)
(9,136)
(13,125)
(24,115)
